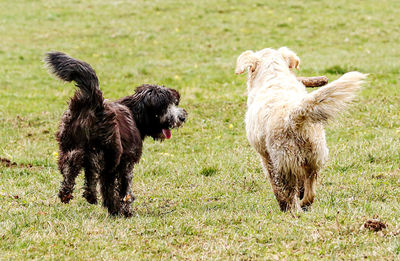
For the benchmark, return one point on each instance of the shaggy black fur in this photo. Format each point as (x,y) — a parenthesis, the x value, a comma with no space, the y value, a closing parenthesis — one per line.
(105,138)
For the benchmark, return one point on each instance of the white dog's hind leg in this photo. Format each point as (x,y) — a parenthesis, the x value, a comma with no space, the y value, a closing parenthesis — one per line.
(309,192)
(287,192)
(293,200)
(274,181)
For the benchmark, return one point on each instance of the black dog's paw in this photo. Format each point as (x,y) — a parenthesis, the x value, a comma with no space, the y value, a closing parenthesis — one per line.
(126,210)
(126,202)
(65,197)
(90,197)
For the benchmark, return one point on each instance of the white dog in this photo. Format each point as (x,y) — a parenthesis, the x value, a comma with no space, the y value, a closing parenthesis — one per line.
(284,123)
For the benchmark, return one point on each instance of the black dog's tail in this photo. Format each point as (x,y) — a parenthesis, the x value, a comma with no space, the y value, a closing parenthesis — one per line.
(69,69)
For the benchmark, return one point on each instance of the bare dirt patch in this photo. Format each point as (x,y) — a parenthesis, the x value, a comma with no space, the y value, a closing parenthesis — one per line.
(374,225)
(9,164)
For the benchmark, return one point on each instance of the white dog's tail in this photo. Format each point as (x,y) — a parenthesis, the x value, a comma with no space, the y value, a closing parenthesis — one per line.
(324,103)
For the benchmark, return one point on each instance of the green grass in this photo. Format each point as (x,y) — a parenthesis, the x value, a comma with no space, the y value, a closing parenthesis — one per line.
(202,194)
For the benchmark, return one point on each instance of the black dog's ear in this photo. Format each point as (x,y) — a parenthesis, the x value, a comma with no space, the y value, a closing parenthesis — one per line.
(175,94)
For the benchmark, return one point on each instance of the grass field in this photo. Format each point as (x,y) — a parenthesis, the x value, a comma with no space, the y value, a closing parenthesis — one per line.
(201,195)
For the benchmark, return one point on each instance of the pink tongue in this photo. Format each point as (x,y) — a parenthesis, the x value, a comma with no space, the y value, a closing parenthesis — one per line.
(167,133)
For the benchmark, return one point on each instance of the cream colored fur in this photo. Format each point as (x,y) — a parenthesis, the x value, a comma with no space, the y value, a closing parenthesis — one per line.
(284,123)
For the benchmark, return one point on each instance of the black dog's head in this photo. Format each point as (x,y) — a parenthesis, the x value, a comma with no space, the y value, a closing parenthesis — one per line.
(155,110)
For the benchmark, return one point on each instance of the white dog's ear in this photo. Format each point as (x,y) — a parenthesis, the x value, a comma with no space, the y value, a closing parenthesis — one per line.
(290,57)
(246,60)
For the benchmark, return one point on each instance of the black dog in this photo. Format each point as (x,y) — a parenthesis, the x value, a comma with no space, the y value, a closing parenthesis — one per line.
(106,138)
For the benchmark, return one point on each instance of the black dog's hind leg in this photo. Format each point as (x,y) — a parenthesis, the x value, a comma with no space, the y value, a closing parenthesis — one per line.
(108,192)
(93,166)
(125,187)
(90,189)
(69,163)
(108,179)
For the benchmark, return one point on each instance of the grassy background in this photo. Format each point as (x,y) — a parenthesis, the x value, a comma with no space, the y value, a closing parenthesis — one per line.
(202,194)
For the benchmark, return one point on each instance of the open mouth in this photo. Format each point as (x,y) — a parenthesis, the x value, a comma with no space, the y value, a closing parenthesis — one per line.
(166,133)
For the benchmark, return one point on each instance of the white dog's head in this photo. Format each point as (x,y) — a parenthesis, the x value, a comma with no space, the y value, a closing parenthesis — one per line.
(252,60)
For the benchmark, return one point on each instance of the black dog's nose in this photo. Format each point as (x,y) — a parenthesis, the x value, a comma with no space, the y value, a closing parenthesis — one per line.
(182,118)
